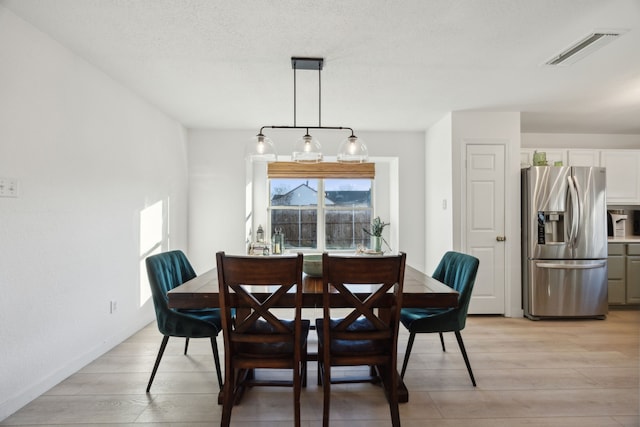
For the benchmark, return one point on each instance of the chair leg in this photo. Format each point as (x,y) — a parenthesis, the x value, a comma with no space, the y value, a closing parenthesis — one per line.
(319,364)
(228,399)
(412,336)
(163,345)
(304,373)
(216,359)
(186,346)
(393,396)
(464,355)
(326,389)
(442,341)
(297,382)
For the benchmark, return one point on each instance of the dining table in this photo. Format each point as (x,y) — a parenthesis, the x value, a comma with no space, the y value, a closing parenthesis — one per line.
(419,291)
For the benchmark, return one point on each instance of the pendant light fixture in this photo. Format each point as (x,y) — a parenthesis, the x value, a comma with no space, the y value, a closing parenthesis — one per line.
(261,148)
(307,149)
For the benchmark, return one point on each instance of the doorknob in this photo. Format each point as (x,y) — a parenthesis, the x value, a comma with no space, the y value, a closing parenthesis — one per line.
(501,238)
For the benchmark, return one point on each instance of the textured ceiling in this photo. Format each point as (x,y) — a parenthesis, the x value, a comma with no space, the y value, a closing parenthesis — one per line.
(389,65)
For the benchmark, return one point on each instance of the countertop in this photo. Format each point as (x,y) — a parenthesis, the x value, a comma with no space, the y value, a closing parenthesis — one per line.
(626,239)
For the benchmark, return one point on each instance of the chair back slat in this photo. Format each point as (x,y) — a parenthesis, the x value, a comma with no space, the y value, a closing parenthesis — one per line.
(254,336)
(368,334)
(343,274)
(250,320)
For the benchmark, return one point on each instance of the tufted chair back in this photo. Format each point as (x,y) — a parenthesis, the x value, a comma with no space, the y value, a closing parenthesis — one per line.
(458,271)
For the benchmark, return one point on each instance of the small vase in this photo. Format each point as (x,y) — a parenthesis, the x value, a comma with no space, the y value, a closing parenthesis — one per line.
(376,243)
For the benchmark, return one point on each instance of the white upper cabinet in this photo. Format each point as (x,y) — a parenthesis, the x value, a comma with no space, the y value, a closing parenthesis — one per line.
(623,176)
(584,158)
(553,155)
(623,169)
(526,158)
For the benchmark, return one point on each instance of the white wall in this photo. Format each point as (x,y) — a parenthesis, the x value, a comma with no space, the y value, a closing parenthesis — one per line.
(88,156)
(579,140)
(217,196)
(439,191)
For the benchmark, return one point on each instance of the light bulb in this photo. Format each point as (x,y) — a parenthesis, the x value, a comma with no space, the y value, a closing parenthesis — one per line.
(352,144)
(260,146)
(307,150)
(307,143)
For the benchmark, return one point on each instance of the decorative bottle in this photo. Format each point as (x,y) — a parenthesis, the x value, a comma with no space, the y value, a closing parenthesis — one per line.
(278,242)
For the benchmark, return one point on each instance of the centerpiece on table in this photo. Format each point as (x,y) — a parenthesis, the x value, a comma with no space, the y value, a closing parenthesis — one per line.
(375,231)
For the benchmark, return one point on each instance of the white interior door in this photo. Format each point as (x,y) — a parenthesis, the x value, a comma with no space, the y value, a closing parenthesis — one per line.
(485,225)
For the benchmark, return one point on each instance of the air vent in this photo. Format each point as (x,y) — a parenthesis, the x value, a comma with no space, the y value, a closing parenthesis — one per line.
(584,47)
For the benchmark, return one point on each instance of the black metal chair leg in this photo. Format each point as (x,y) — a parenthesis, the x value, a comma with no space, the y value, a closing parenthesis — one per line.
(412,336)
(442,341)
(216,359)
(163,345)
(464,355)
(186,346)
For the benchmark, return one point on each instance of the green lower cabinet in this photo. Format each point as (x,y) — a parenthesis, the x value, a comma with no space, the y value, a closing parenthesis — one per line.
(623,266)
(633,279)
(617,291)
(616,267)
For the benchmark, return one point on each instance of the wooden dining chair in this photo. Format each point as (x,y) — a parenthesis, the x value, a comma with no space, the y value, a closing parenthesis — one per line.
(371,287)
(254,337)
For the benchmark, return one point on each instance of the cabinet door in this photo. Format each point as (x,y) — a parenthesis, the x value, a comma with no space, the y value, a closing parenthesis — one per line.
(526,158)
(617,292)
(616,279)
(633,280)
(584,157)
(623,175)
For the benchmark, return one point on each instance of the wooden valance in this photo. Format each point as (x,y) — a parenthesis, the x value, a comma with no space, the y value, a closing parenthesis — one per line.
(321,170)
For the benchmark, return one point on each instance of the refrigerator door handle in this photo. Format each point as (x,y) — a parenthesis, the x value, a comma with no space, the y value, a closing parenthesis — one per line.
(575,211)
(578,202)
(554,265)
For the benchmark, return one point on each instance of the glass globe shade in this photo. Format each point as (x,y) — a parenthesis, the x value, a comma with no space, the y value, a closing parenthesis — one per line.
(307,150)
(261,148)
(353,150)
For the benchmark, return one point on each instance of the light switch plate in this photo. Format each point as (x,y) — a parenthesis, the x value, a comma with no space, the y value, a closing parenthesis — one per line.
(8,187)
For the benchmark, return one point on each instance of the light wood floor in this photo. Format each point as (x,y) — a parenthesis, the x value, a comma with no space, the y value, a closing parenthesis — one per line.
(546,373)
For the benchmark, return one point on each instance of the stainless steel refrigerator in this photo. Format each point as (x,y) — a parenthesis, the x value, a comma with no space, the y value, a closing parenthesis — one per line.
(564,242)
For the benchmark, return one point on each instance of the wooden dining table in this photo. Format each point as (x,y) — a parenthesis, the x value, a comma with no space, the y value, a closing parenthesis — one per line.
(420,291)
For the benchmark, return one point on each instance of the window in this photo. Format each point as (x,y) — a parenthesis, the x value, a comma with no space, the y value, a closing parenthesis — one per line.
(335,218)
(321,213)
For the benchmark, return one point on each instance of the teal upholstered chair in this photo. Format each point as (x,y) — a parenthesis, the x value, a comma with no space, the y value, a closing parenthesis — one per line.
(457,271)
(166,271)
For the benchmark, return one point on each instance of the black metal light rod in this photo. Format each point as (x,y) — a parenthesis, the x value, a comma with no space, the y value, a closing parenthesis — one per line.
(307,127)
(300,63)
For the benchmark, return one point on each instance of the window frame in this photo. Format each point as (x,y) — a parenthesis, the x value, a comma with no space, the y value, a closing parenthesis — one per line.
(321,209)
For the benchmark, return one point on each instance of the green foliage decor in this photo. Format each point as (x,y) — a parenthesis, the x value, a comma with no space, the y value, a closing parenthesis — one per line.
(377,225)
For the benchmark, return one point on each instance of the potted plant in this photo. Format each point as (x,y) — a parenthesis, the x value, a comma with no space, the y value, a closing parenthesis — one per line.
(377,225)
